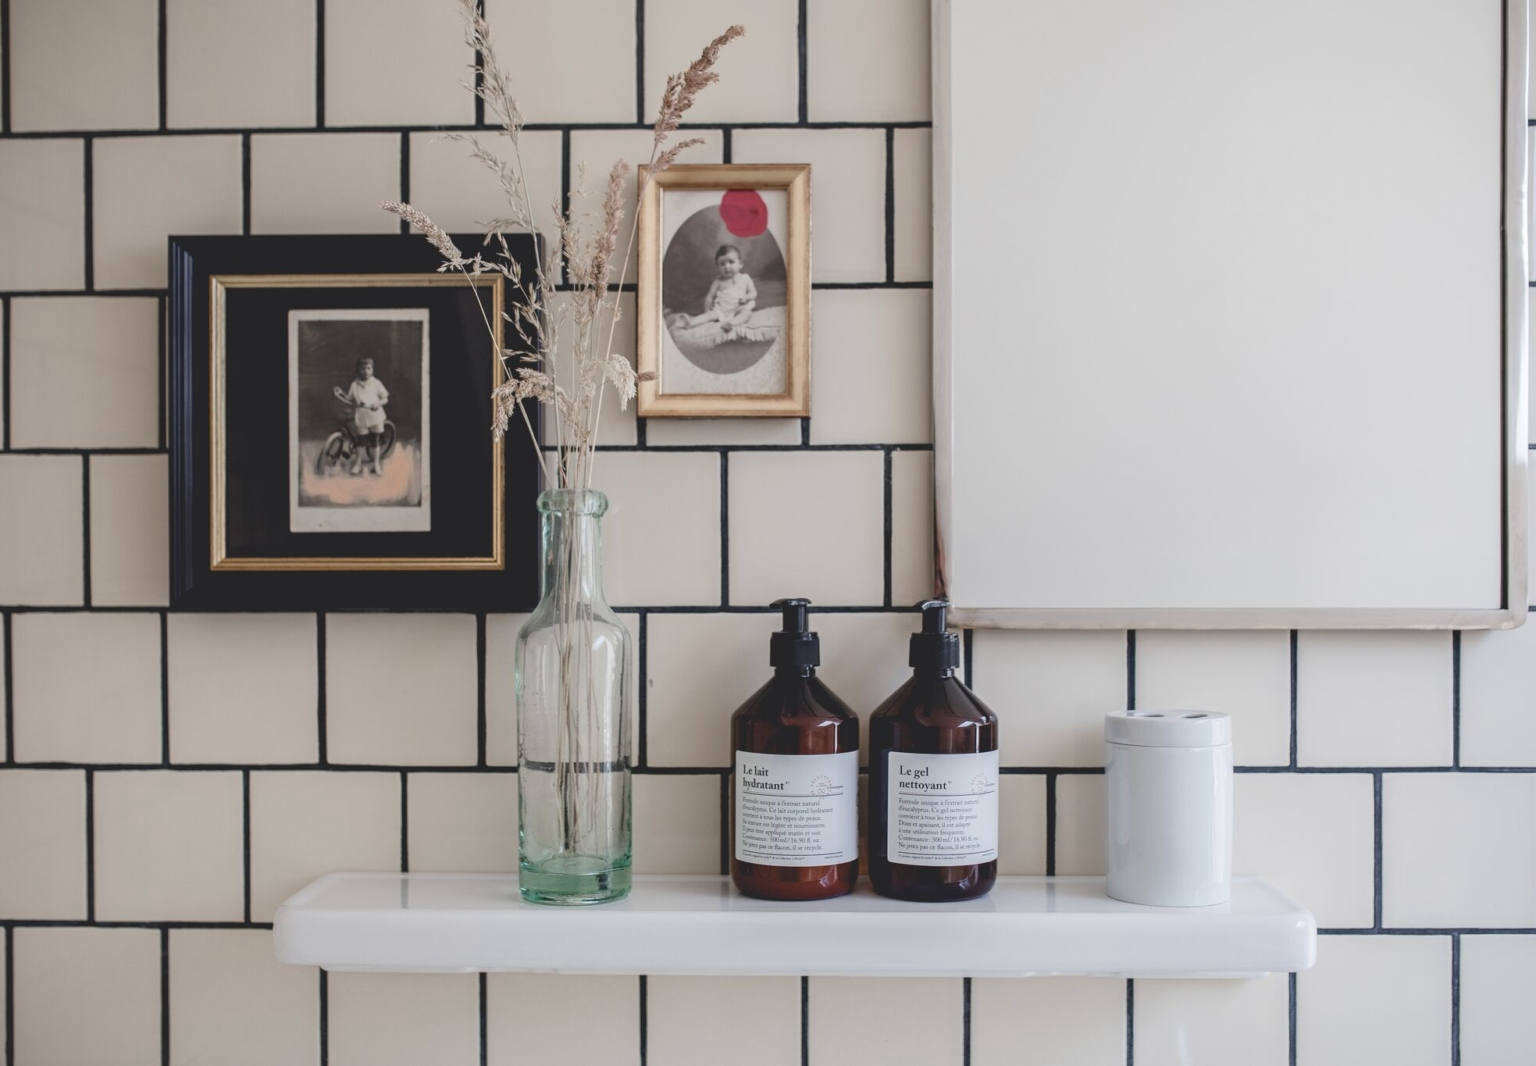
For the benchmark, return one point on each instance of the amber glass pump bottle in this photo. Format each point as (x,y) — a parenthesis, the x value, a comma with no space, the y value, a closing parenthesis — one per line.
(933,778)
(795,785)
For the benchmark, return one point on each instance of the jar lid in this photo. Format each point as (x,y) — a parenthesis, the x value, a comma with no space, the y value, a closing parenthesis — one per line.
(1168,728)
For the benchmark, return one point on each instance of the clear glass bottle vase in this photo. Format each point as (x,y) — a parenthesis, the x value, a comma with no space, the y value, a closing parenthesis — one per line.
(573,717)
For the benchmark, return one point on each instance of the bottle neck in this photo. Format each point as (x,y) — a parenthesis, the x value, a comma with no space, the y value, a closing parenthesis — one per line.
(571,540)
(794,671)
(934,673)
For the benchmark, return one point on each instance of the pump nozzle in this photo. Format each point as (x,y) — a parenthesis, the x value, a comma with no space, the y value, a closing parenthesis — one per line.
(794,644)
(933,615)
(796,613)
(934,648)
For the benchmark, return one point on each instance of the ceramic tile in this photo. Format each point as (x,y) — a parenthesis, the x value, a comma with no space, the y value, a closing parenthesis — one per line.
(86,687)
(677,824)
(1498,697)
(324,182)
(392,1019)
(862,1019)
(1373,699)
(678,492)
(130,531)
(1312,836)
(243,688)
(912,525)
(1021,826)
(1498,1027)
(395,62)
(168,846)
(42,816)
(1179,1022)
(760,1013)
(868,337)
(41,543)
(548,86)
(462,822)
(79,65)
(807,524)
(759,81)
(90,370)
(307,823)
(1376,999)
(1458,850)
(1061,683)
(400,689)
(230,63)
(64,977)
(500,688)
(1244,674)
(147,188)
(863,657)
(460,194)
(560,1017)
(1048,1021)
(912,167)
(232,1003)
(700,668)
(42,214)
(868,61)
(1080,824)
(665,431)
(616,422)
(849,224)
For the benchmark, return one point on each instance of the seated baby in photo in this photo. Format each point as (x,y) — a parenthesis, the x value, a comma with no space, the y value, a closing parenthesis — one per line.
(730,300)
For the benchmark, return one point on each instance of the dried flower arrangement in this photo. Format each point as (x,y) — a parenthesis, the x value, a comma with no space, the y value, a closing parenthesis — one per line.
(585,324)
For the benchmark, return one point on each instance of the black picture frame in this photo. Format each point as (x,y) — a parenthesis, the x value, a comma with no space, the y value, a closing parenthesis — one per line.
(233,546)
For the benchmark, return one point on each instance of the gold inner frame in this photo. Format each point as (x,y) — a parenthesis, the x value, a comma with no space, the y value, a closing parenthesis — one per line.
(220,559)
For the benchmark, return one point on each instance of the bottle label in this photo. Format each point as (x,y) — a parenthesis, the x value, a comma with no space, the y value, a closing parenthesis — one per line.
(941,810)
(797,810)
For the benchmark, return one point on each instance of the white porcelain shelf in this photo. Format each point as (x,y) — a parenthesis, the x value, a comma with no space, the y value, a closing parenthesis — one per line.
(701,925)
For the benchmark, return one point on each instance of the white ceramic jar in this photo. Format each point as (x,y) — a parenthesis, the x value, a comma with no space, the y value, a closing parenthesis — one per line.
(1169,807)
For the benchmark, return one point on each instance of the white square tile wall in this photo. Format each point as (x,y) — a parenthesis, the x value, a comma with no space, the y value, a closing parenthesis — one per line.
(107,978)
(233,1003)
(762,1013)
(389,62)
(390,1019)
(42,816)
(1376,999)
(1244,674)
(758,78)
(853,1018)
(1373,699)
(552,89)
(79,65)
(324,183)
(1048,1021)
(130,530)
(42,214)
(462,822)
(549,1017)
(1061,683)
(1497,974)
(870,377)
(1179,1022)
(230,63)
(1311,836)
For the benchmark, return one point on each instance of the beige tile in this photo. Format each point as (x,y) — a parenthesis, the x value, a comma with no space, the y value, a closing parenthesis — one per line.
(1179,1022)
(87,996)
(1498,697)
(130,534)
(1376,999)
(501,687)
(869,1019)
(700,668)
(863,656)
(1373,699)
(759,79)
(460,194)
(169,846)
(704,1021)
(912,166)
(912,524)
(677,824)
(1080,824)
(847,216)
(41,543)
(870,369)
(234,1004)
(42,817)
(868,61)
(547,85)
(666,431)
(807,524)
(230,63)
(678,493)
(462,822)
(393,62)
(86,687)
(387,1019)
(147,188)
(561,1018)
(1048,1021)
(1021,825)
(79,65)
(1497,975)
(616,421)
(400,689)
(324,182)
(310,822)
(90,370)
(1061,683)
(1244,674)
(1312,836)
(42,214)
(243,688)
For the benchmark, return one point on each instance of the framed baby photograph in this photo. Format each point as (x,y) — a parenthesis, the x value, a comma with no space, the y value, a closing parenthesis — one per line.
(330,429)
(723,295)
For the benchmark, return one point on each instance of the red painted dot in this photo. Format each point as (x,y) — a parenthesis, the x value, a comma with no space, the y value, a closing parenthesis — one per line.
(743,212)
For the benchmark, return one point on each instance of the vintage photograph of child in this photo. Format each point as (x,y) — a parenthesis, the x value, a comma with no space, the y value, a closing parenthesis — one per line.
(359,425)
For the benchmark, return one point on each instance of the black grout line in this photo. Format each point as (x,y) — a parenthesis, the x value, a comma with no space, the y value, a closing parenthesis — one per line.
(88,151)
(1130,669)
(725,822)
(1290,1023)
(565,193)
(641,666)
(480,710)
(805,429)
(643,1020)
(320,689)
(1376,849)
(85,529)
(320,64)
(725,145)
(162,314)
(1130,1021)
(1293,697)
(890,203)
(325,1018)
(640,62)
(1050,824)
(165,689)
(9,682)
(5,127)
(245,183)
(1455,999)
(405,172)
(479,73)
(1456,698)
(888,523)
(112,133)
(165,997)
(965,1021)
(162,60)
(90,845)
(805,1021)
(804,62)
(484,1021)
(725,530)
(245,841)
(405,823)
(10,997)
(6,310)
(968,646)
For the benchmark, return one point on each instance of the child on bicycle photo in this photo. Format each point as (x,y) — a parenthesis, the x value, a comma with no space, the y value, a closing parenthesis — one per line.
(367,396)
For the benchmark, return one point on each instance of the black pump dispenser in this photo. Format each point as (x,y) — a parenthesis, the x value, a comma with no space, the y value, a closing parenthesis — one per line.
(934,648)
(794,645)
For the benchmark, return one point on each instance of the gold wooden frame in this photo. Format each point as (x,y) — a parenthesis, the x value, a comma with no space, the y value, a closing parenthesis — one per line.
(220,559)
(795,400)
